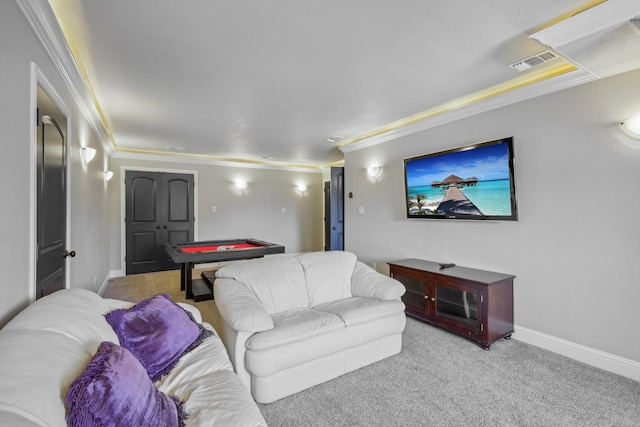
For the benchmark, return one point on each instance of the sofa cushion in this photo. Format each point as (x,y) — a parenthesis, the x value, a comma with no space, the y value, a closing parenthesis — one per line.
(277,281)
(215,396)
(294,326)
(158,332)
(213,392)
(114,390)
(357,310)
(328,275)
(275,360)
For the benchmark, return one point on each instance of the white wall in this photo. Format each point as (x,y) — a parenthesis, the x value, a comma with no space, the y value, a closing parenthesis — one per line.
(255,213)
(575,248)
(20,47)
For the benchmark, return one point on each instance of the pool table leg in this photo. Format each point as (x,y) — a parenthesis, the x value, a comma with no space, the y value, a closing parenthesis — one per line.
(183,267)
(188,272)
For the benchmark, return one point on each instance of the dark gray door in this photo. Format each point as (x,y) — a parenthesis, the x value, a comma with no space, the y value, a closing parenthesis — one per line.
(337,209)
(177,212)
(159,209)
(327,215)
(51,196)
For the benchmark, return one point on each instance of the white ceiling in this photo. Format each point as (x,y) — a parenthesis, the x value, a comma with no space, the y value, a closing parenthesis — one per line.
(246,80)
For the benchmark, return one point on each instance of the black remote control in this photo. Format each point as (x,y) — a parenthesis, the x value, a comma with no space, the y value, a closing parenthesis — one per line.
(447,265)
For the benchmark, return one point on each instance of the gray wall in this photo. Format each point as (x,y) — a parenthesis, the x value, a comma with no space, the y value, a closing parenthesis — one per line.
(575,248)
(88,195)
(255,213)
(95,226)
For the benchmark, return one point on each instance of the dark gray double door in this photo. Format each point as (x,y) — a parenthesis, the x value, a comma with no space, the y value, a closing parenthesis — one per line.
(159,209)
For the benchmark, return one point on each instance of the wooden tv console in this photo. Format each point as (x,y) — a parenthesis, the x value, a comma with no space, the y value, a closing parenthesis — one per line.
(476,304)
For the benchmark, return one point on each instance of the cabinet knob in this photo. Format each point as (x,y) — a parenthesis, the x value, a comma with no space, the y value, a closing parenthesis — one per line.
(433,298)
(426,297)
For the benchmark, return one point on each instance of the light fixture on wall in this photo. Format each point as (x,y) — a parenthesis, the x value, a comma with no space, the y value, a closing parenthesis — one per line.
(87,154)
(108,175)
(374,171)
(302,188)
(240,185)
(631,126)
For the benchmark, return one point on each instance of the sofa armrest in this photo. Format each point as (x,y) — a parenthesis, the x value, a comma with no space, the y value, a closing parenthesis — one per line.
(239,307)
(366,282)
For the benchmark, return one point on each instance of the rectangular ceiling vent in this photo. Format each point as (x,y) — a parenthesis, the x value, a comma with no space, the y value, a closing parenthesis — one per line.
(533,61)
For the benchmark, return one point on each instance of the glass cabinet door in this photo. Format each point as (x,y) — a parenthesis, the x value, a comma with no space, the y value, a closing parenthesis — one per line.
(414,297)
(457,305)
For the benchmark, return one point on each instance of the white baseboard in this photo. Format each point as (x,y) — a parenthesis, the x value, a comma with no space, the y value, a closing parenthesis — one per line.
(103,287)
(609,362)
(115,273)
(112,274)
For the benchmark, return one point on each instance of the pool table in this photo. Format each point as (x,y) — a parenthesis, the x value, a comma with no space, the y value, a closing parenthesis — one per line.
(190,253)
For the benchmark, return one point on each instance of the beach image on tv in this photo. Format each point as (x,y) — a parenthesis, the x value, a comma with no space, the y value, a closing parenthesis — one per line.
(473,182)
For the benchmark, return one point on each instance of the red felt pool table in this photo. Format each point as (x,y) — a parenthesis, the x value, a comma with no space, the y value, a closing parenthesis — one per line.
(191,253)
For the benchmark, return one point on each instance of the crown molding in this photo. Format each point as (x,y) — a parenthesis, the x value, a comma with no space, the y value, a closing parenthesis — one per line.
(44,23)
(212,161)
(42,19)
(505,98)
(603,40)
(588,22)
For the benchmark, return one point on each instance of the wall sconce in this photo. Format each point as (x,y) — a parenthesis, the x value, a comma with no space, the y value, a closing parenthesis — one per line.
(374,171)
(87,154)
(302,188)
(108,175)
(240,185)
(631,126)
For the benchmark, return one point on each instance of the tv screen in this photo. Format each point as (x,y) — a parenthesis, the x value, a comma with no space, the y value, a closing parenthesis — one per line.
(475,182)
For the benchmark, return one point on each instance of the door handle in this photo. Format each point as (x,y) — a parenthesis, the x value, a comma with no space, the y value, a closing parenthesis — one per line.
(71,254)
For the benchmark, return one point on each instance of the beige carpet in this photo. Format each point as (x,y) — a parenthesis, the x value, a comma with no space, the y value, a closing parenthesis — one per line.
(137,287)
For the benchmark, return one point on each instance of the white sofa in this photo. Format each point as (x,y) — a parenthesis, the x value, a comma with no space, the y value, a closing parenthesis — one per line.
(295,321)
(45,347)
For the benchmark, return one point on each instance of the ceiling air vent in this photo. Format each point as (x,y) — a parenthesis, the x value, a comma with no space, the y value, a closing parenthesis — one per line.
(533,61)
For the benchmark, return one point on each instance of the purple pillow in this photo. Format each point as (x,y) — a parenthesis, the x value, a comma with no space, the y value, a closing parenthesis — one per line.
(157,331)
(114,390)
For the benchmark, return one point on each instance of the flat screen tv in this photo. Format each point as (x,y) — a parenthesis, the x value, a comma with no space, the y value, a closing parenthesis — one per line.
(475,182)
